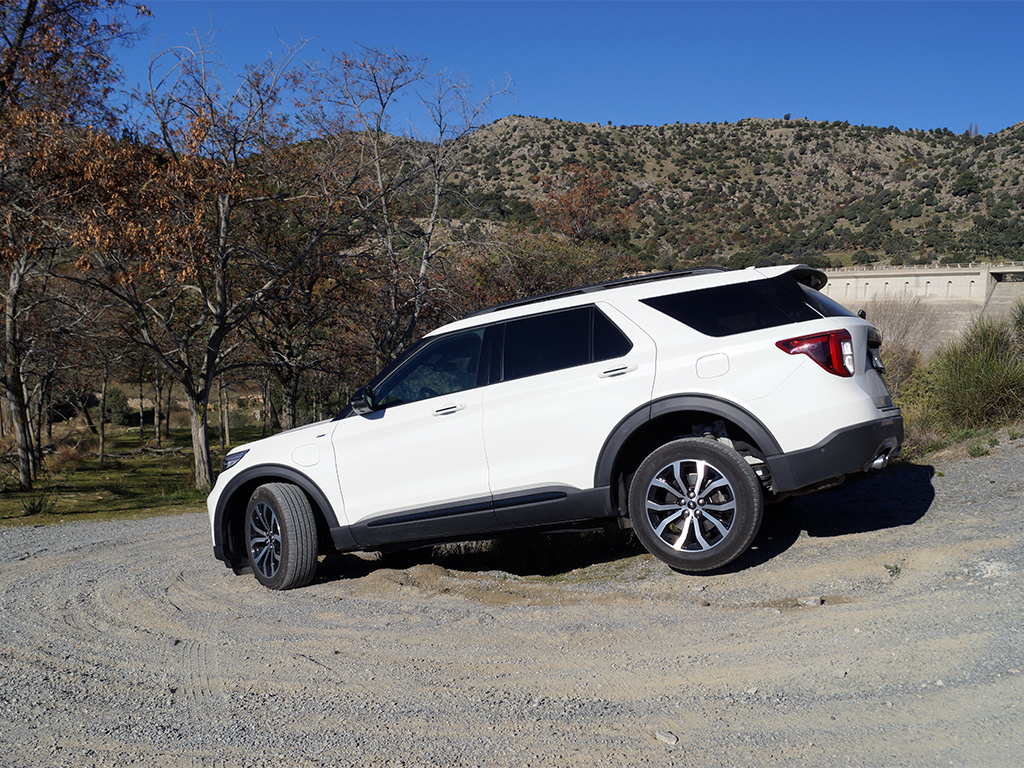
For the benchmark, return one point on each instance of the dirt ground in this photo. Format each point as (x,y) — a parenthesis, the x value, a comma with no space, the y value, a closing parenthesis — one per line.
(876,624)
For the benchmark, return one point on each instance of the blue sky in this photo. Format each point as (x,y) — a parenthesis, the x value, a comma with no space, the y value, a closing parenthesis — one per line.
(908,64)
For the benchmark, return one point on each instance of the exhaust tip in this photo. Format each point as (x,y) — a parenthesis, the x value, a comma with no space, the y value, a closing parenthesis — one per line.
(886,451)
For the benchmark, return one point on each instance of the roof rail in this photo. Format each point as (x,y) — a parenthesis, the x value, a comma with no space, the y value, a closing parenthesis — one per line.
(632,280)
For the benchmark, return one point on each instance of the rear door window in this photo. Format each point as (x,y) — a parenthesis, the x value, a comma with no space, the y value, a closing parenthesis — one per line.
(551,342)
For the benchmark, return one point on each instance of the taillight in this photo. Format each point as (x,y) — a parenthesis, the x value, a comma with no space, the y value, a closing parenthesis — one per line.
(833,351)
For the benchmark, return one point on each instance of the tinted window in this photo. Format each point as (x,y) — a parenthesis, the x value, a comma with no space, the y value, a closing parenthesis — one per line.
(446,365)
(547,343)
(824,304)
(551,342)
(729,309)
(609,341)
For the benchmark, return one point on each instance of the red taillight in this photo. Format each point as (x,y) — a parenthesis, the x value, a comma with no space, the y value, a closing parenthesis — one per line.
(833,351)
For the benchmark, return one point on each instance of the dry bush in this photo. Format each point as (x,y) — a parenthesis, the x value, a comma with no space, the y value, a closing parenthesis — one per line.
(68,456)
(901,365)
(922,432)
(906,324)
(905,320)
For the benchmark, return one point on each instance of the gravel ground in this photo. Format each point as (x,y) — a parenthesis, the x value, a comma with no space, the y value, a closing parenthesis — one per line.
(876,624)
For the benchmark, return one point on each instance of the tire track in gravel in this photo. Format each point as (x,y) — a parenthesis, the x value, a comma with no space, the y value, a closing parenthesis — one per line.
(199,681)
(112,614)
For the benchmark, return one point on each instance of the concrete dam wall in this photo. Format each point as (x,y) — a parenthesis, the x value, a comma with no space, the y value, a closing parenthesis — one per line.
(926,306)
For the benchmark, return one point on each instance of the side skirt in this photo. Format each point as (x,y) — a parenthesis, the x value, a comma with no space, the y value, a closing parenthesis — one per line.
(529,508)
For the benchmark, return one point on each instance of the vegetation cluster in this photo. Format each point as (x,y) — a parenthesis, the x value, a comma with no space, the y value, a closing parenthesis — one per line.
(767,191)
(972,386)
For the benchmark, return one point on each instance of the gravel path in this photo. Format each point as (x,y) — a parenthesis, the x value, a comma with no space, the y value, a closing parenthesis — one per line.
(877,624)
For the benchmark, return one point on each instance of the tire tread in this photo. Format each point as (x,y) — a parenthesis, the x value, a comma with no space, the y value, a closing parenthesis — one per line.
(298,533)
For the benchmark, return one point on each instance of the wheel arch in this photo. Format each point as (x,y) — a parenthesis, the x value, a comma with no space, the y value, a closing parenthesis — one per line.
(666,419)
(229,518)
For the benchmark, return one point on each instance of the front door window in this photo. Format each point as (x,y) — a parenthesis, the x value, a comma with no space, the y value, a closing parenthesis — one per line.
(443,367)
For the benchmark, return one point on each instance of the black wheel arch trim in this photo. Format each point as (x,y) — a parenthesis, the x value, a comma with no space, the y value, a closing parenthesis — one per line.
(271,473)
(649,412)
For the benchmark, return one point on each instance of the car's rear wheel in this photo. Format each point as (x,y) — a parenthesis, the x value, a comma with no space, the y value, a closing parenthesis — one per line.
(696,504)
(280,533)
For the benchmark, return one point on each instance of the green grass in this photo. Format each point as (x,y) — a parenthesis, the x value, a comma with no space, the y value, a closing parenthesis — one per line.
(144,486)
(77,486)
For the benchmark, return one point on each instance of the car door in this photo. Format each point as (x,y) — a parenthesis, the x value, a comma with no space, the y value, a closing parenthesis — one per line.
(414,467)
(567,379)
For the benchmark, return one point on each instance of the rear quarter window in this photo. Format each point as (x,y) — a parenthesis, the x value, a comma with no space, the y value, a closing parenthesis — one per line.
(828,307)
(726,310)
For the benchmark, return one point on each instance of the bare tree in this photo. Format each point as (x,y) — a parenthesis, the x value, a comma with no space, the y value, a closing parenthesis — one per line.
(225,206)
(55,55)
(292,329)
(168,247)
(402,197)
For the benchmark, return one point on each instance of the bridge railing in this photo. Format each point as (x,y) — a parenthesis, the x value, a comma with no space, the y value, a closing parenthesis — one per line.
(915,267)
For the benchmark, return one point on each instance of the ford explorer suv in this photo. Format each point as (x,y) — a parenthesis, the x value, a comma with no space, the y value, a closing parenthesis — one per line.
(676,404)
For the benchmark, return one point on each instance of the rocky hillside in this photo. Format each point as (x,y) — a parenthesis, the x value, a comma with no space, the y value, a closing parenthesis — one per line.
(765,191)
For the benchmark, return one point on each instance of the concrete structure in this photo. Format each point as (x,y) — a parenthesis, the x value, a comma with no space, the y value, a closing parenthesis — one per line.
(944,297)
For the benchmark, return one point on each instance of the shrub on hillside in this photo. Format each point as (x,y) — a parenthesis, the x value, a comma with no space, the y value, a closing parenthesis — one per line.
(978,379)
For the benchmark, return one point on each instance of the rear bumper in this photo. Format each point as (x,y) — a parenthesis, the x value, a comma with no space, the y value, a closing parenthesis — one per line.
(855,449)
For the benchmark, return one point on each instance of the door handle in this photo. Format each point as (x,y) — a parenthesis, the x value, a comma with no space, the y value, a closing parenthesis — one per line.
(449,409)
(617,371)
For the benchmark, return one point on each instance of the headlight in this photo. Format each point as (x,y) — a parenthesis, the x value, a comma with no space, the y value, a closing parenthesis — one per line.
(231,459)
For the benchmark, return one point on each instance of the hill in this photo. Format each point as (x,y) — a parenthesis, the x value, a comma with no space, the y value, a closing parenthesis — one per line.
(766,191)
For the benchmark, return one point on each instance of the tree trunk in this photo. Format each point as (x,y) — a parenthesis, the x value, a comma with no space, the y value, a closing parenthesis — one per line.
(157,410)
(200,443)
(220,415)
(85,415)
(225,423)
(289,398)
(48,411)
(103,413)
(142,412)
(36,430)
(263,412)
(13,378)
(275,422)
(169,409)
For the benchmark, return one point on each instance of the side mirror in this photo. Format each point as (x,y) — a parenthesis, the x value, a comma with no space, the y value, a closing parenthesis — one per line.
(362,401)
(862,314)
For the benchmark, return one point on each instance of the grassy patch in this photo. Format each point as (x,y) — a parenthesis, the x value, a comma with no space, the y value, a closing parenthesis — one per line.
(77,486)
(976,450)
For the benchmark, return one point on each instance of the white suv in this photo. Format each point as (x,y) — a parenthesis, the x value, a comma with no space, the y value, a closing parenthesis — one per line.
(676,403)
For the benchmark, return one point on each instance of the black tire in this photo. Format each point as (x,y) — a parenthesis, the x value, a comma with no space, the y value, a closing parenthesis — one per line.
(280,536)
(695,504)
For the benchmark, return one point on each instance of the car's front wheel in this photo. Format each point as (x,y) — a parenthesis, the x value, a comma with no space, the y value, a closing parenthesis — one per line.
(696,504)
(280,534)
